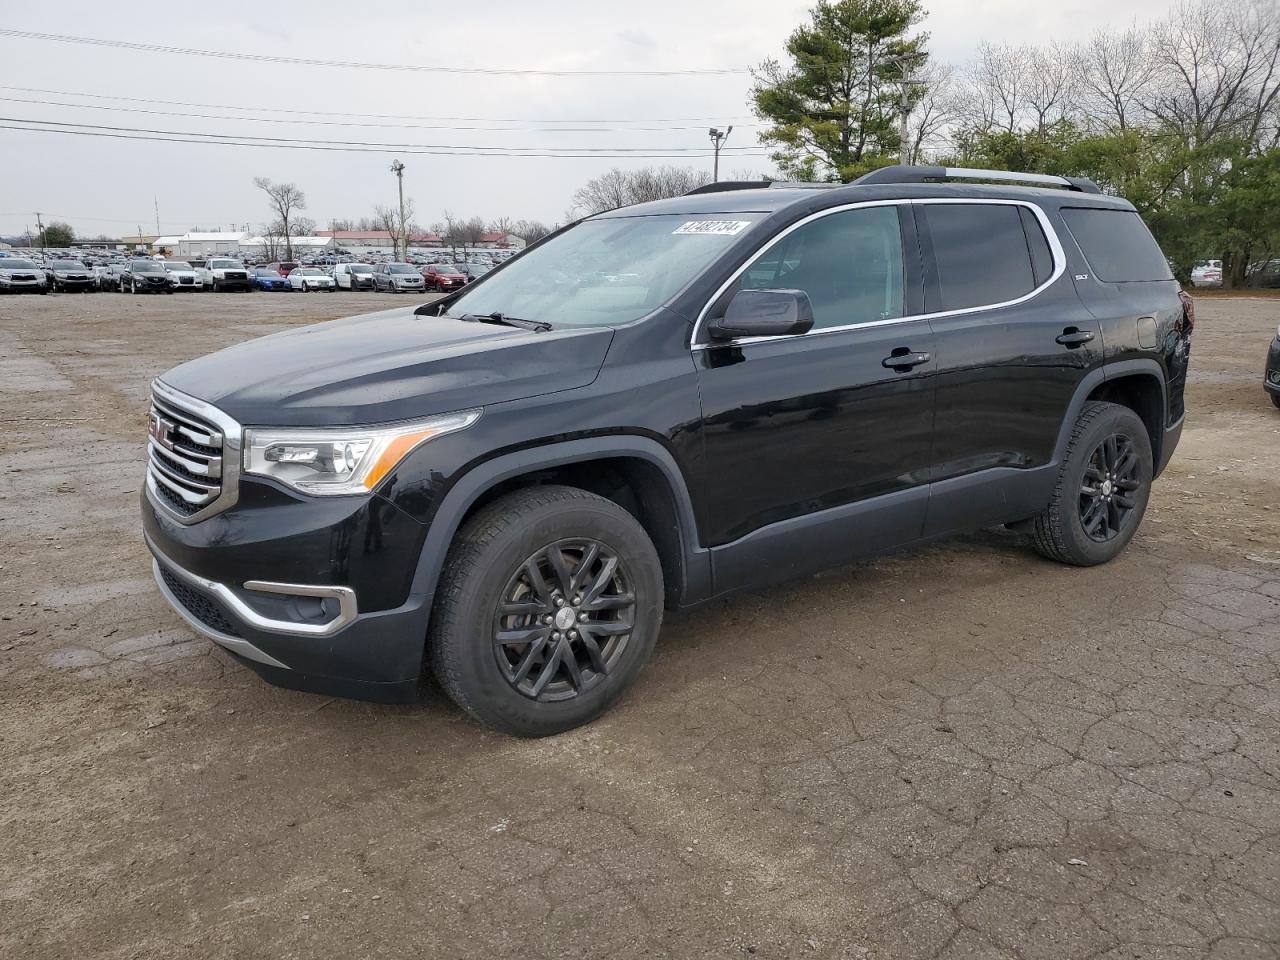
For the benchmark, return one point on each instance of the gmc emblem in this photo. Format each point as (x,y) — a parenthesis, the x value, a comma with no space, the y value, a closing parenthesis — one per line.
(161,430)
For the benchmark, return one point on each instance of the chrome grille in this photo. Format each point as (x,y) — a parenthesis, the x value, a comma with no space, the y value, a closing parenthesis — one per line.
(192,455)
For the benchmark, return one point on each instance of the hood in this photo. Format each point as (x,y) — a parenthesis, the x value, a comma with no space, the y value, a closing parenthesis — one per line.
(388,366)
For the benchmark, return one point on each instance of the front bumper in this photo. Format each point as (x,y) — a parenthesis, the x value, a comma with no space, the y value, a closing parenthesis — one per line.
(18,286)
(301,591)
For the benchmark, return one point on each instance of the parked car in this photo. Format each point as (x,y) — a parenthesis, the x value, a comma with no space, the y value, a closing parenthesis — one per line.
(308,279)
(22,275)
(264,278)
(284,267)
(70,276)
(353,276)
(473,271)
(109,276)
(1271,378)
(1207,274)
(525,475)
(444,276)
(398,278)
(1265,274)
(145,276)
(184,276)
(228,273)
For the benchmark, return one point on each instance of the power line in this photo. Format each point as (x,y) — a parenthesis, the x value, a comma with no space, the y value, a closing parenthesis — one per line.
(334,123)
(178,136)
(372,116)
(350,64)
(464,148)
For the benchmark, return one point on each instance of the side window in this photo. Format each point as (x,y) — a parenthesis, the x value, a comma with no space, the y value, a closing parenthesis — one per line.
(981,253)
(849,263)
(1117,244)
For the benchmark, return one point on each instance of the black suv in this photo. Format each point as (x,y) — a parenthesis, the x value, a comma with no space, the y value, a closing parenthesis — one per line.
(145,276)
(656,406)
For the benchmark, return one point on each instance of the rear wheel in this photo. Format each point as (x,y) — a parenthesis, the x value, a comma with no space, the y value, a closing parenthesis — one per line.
(1102,490)
(548,609)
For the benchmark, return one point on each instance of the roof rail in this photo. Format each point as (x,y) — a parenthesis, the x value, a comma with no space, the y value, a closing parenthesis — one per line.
(720,186)
(904,174)
(804,185)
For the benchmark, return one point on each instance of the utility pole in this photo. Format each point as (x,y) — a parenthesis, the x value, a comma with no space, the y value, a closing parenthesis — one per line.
(398,169)
(156,201)
(718,137)
(40,227)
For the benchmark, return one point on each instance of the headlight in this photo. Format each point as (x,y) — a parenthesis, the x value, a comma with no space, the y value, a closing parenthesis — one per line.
(344,460)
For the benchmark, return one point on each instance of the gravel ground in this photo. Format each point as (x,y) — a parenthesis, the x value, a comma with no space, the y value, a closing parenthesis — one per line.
(958,751)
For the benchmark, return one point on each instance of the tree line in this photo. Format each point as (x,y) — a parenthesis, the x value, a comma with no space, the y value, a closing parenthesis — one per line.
(1181,115)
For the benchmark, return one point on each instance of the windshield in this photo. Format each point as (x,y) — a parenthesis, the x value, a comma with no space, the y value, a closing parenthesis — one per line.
(13,263)
(147,266)
(226,265)
(177,265)
(309,273)
(360,268)
(400,268)
(69,265)
(264,272)
(605,272)
(443,268)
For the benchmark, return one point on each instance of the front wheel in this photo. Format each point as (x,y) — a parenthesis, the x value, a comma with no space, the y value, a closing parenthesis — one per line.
(1275,398)
(1102,490)
(548,609)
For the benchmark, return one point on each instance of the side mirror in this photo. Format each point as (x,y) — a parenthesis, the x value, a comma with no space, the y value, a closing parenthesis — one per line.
(764,313)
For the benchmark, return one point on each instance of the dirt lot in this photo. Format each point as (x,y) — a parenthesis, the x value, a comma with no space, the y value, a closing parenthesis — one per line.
(961,751)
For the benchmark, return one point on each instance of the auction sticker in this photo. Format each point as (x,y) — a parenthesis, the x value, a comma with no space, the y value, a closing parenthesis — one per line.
(714,228)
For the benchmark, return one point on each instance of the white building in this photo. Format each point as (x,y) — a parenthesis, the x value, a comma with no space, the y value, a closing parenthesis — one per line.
(258,246)
(208,244)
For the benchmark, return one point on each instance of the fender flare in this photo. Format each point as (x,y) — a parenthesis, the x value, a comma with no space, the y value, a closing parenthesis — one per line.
(1095,378)
(468,488)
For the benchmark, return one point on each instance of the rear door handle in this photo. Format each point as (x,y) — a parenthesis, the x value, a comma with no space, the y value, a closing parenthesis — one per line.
(903,359)
(1072,338)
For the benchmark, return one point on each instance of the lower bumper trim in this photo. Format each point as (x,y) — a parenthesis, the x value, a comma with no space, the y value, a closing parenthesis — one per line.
(236,645)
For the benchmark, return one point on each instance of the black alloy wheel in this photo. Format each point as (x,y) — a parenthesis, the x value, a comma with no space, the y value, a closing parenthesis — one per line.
(564,620)
(1110,481)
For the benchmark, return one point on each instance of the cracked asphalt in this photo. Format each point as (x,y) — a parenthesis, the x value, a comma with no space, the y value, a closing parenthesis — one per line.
(957,751)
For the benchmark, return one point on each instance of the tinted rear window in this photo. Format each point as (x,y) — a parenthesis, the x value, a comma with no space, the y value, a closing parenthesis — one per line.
(981,253)
(1117,244)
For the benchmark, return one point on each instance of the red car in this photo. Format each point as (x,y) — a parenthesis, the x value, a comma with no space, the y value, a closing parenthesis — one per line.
(284,267)
(443,277)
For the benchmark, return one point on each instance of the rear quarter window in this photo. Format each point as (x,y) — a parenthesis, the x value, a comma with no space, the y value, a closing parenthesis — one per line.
(981,253)
(1117,245)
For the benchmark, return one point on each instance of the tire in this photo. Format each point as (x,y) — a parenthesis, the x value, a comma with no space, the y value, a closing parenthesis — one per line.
(1275,398)
(488,562)
(1060,531)
(216,287)
(133,287)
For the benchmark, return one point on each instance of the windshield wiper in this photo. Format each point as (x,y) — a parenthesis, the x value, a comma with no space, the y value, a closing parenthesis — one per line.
(502,319)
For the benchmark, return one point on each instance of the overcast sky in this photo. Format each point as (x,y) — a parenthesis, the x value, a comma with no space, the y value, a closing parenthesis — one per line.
(113,185)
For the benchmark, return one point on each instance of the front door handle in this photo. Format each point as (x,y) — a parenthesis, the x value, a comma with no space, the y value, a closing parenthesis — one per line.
(902,360)
(1073,337)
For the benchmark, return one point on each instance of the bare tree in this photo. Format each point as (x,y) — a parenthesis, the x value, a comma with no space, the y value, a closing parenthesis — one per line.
(397,222)
(621,188)
(1049,85)
(1113,74)
(502,225)
(272,235)
(938,106)
(530,231)
(997,87)
(285,199)
(1218,69)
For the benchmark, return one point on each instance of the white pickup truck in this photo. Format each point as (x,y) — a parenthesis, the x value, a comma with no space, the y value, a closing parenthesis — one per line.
(222,273)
